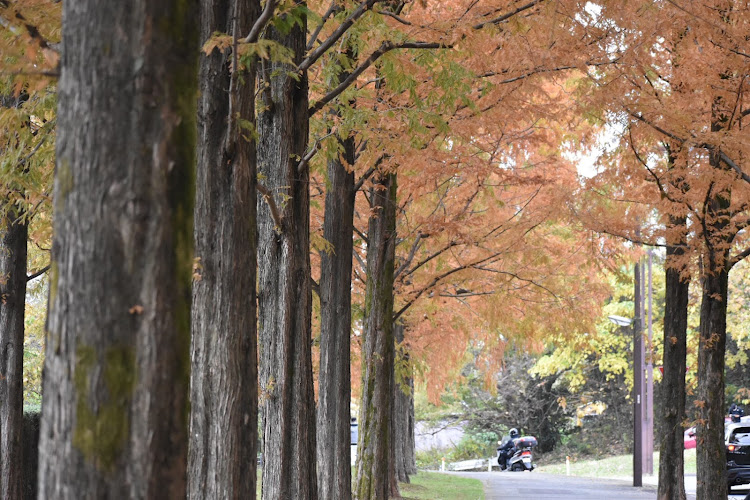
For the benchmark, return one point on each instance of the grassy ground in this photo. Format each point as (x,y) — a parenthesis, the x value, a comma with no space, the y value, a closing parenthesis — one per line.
(436,486)
(621,465)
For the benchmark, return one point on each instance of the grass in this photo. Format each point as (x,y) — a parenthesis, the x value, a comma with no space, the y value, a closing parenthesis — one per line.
(621,465)
(437,486)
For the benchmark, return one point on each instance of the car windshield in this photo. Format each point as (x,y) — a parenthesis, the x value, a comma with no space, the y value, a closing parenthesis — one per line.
(741,435)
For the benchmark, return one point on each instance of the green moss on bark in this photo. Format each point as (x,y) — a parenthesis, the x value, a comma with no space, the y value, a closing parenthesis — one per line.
(101,434)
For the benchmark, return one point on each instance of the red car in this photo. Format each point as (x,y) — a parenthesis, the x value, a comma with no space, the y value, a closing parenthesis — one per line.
(690,438)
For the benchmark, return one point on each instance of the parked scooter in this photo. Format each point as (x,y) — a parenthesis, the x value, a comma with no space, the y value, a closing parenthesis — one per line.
(521,455)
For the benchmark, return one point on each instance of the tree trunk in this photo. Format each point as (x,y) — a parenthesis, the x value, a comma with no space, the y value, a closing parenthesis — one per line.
(12,305)
(224,396)
(117,367)
(334,382)
(375,471)
(403,412)
(284,300)
(711,452)
(672,446)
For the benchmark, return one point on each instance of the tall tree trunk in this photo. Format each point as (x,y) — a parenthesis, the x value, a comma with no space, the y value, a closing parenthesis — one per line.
(284,300)
(117,367)
(672,446)
(375,471)
(12,305)
(224,378)
(403,412)
(711,453)
(334,381)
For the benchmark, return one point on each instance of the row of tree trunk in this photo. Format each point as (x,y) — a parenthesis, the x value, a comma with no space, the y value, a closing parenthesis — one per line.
(120,399)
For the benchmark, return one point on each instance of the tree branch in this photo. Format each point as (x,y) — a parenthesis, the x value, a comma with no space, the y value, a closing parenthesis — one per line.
(435,254)
(261,22)
(315,286)
(37,274)
(268,198)
(410,258)
(710,147)
(383,49)
(739,257)
(313,151)
(328,42)
(437,279)
(369,172)
(333,9)
(507,16)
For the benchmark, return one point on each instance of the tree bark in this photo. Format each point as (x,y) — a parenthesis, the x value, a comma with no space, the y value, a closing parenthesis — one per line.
(224,395)
(672,445)
(403,414)
(711,452)
(334,381)
(284,300)
(117,367)
(375,471)
(12,305)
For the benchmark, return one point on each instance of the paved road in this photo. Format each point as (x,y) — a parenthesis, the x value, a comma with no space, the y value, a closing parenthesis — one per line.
(539,486)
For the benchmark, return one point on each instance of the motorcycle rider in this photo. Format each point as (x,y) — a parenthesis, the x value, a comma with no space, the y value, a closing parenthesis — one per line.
(736,412)
(506,449)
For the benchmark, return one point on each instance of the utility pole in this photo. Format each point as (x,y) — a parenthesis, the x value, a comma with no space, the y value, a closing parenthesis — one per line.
(649,408)
(637,383)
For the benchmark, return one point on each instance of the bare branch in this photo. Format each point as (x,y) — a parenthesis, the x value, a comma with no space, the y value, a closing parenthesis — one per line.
(313,151)
(410,258)
(333,9)
(261,22)
(369,172)
(394,16)
(437,279)
(739,257)
(432,256)
(383,49)
(268,198)
(507,16)
(37,274)
(359,259)
(328,42)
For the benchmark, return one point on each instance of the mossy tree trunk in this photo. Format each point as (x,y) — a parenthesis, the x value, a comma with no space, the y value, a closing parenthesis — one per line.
(403,411)
(117,367)
(375,469)
(285,293)
(334,382)
(672,446)
(13,293)
(224,377)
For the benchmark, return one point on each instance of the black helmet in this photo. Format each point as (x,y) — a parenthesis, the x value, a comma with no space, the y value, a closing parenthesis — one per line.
(513,433)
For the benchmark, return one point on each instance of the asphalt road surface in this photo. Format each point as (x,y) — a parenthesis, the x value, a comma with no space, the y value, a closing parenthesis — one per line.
(539,486)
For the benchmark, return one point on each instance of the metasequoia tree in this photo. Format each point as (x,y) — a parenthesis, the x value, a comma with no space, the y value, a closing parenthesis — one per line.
(224,375)
(405,84)
(671,460)
(25,152)
(14,233)
(115,409)
(658,97)
(375,473)
(284,290)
